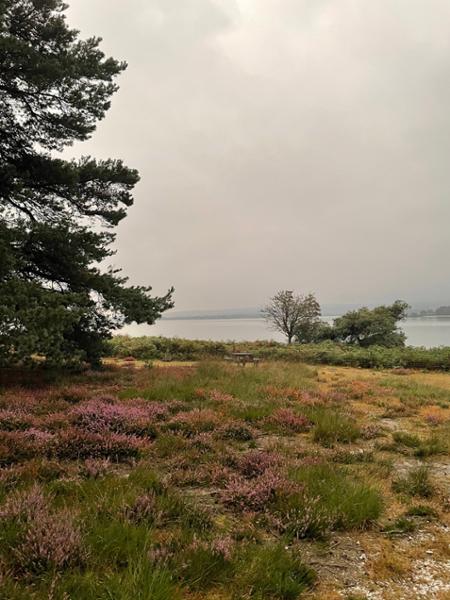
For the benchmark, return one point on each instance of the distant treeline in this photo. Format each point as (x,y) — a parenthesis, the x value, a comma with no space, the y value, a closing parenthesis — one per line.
(442,311)
(151,348)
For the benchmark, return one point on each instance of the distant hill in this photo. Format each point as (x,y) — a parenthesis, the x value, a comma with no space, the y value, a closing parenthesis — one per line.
(328,310)
(254,312)
(441,311)
(226,313)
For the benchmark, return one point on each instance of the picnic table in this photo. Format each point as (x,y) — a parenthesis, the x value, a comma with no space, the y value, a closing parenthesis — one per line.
(242,358)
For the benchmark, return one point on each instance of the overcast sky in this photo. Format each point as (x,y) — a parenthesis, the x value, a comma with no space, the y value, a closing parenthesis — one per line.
(300,144)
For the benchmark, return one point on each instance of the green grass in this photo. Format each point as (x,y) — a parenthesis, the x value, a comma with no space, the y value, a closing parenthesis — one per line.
(401,525)
(415,483)
(421,510)
(413,393)
(332,499)
(351,458)
(331,427)
(201,568)
(141,581)
(436,443)
(272,572)
(247,384)
(406,439)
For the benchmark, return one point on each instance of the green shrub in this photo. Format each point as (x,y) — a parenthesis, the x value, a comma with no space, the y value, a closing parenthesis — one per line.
(236,430)
(148,348)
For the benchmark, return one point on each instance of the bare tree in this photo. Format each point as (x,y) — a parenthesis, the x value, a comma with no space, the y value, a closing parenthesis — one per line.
(288,312)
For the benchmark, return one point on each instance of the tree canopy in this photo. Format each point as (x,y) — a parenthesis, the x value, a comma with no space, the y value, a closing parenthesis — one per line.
(57,216)
(293,315)
(368,327)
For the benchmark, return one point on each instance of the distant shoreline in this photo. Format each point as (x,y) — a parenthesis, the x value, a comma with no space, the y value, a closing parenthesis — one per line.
(220,317)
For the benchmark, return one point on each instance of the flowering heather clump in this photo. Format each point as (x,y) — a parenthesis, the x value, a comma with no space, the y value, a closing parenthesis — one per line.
(218,396)
(219,474)
(283,393)
(195,421)
(303,518)
(182,475)
(46,539)
(144,508)
(312,399)
(175,406)
(223,547)
(73,394)
(21,401)
(53,421)
(15,419)
(50,541)
(204,442)
(370,432)
(289,421)
(219,547)
(39,436)
(106,398)
(237,430)
(24,505)
(157,411)
(76,444)
(335,396)
(202,393)
(209,474)
(42,469)
(160,555)
(434,418)
(254,494)
(255,462)
(16,446)
(306,461)
(98,416)
(95,468)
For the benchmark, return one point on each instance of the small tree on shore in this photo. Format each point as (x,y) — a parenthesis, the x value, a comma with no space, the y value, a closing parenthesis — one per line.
(369,327)
(292,315)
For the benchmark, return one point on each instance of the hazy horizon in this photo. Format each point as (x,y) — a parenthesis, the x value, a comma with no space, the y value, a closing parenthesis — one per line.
(281,145)
(328,310)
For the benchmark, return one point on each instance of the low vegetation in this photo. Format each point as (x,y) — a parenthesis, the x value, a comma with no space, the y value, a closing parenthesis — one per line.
(176,481)
(327,353)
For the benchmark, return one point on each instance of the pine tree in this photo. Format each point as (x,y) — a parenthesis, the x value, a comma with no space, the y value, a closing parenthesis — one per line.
(57,216)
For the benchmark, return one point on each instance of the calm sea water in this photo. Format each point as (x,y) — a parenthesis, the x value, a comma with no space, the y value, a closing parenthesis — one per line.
(424,331)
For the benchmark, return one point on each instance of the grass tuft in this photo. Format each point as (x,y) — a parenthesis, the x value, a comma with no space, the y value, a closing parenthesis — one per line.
(415,483)
(331,427)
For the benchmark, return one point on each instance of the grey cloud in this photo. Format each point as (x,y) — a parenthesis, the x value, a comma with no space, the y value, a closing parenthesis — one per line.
(281,143)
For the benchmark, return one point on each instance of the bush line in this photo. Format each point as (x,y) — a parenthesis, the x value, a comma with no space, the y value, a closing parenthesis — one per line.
(161,348)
